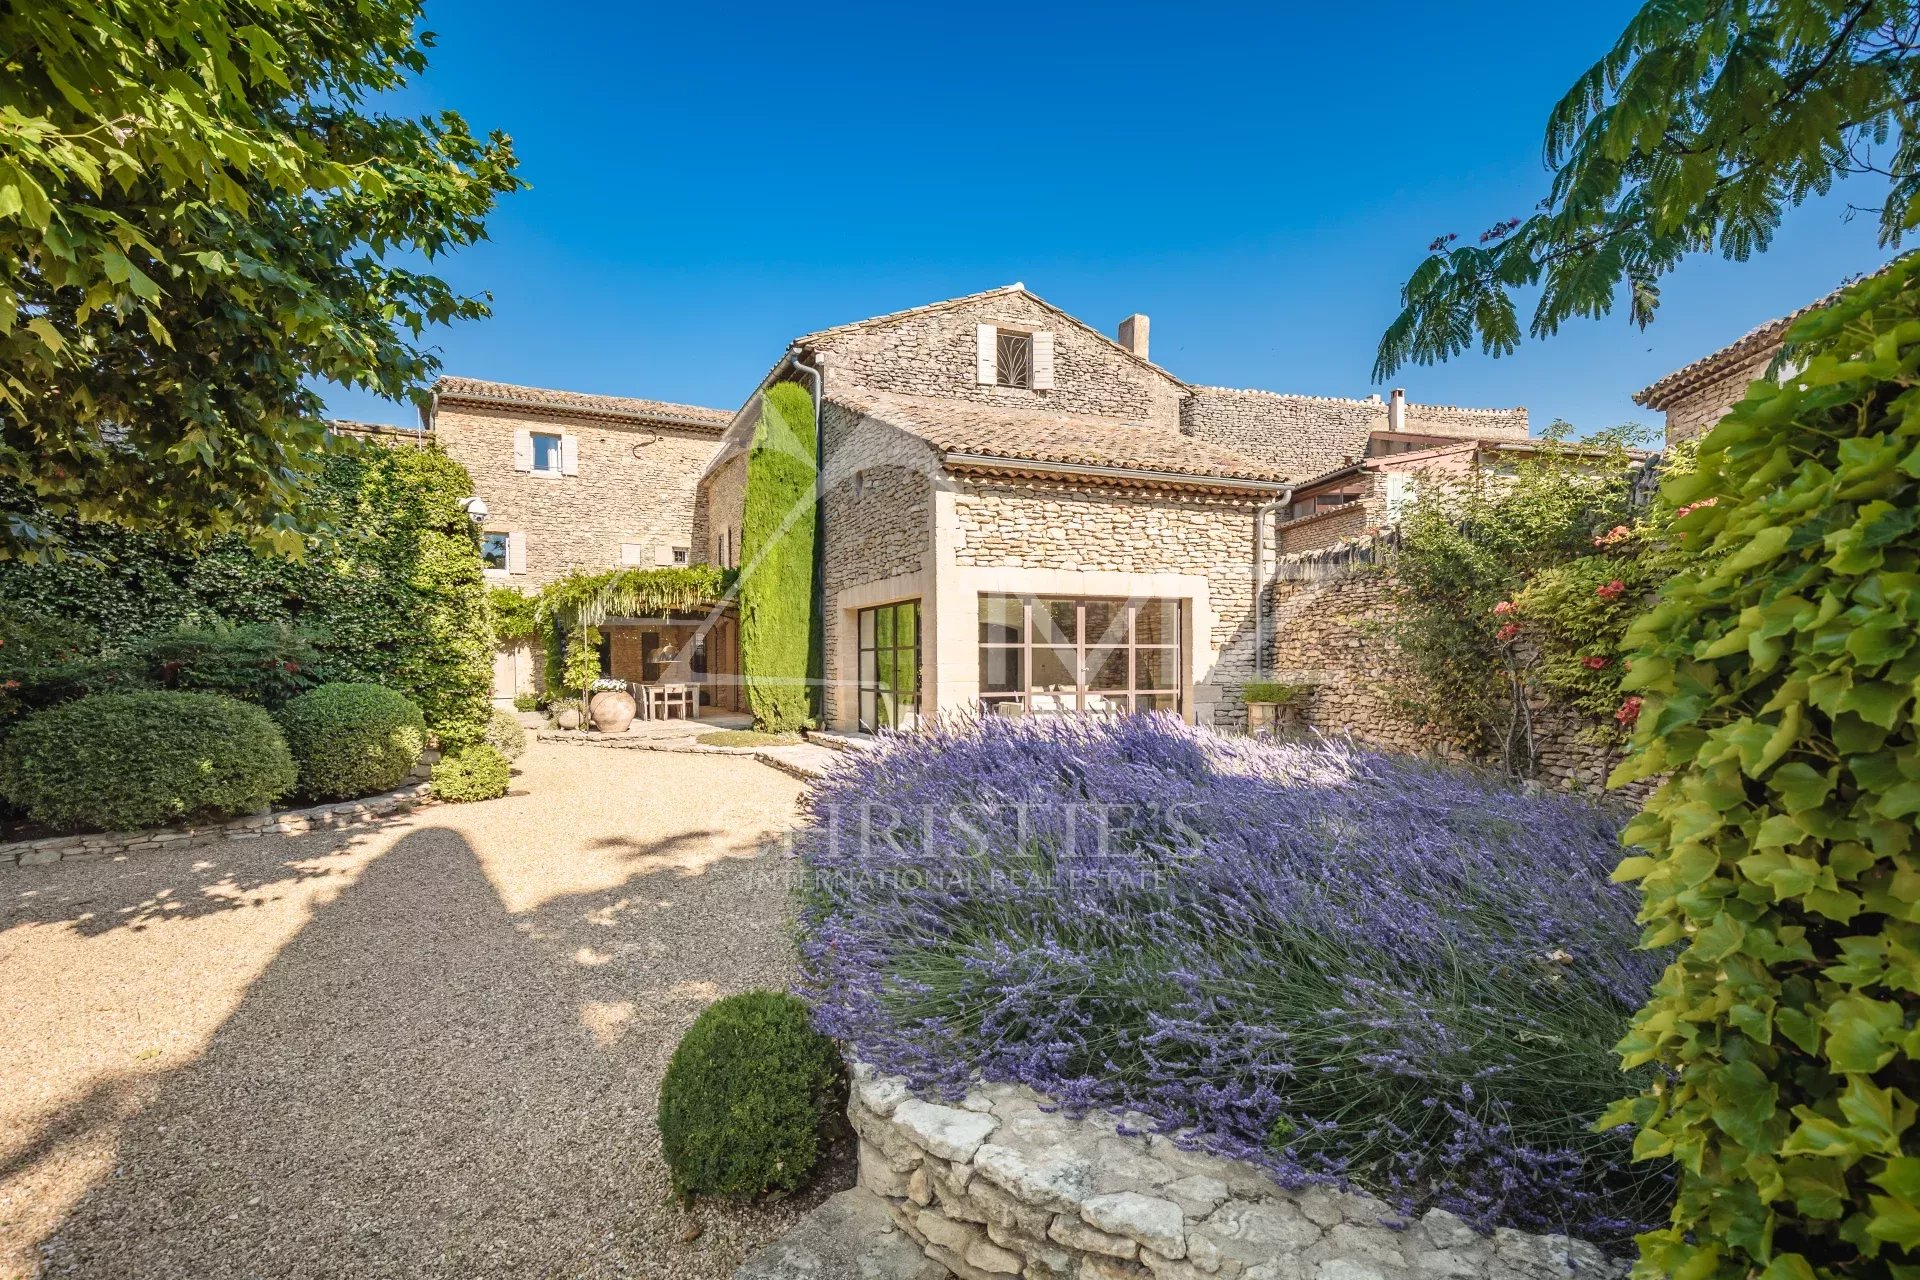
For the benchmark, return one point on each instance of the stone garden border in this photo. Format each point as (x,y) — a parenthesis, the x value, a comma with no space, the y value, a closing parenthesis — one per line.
(290,822)
(997,1186)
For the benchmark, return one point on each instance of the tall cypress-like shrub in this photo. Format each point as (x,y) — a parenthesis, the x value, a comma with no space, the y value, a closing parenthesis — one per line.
(779,648)
(1774,685)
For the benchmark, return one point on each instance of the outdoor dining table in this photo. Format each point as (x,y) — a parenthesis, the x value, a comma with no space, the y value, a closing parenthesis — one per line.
(664,701)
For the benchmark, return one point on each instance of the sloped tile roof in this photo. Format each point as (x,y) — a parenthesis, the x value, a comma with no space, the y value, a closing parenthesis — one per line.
(1041,436)
(1748,346)
(506,394)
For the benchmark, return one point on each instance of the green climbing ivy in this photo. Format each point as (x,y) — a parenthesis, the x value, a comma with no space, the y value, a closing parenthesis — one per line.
(1778,675)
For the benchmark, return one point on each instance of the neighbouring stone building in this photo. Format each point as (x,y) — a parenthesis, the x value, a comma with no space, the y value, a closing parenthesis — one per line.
(1696,396)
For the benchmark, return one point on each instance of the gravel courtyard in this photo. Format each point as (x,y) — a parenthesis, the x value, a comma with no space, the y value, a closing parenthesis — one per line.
(427,1049)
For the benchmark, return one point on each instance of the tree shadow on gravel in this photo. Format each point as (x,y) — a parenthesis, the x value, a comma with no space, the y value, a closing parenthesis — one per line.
(93,898)
(423,1084)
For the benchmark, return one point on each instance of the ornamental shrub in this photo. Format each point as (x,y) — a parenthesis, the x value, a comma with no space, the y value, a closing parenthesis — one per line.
(779,643)
(1337,965)
(1777,679)
(506,734)
(393,595)
(353,739)
(122,761)
(479,772)
(748,1098)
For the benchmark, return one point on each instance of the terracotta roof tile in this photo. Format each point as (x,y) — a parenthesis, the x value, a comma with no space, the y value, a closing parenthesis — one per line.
(481,391)
(1041,436)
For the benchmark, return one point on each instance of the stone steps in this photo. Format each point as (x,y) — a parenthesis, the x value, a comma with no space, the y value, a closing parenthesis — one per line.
(850,1237)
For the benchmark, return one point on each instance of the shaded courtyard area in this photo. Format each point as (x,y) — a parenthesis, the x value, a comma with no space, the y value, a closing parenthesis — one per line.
(431,1048)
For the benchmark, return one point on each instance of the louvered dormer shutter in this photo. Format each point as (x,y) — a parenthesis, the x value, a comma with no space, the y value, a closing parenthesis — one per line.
(1043,360)
(523,450)
(569,455)
(985,369)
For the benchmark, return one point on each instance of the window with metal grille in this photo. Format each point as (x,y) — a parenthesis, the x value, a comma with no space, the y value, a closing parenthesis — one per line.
(1013,358)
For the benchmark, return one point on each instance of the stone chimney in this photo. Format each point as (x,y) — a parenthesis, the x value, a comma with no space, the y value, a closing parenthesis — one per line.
(1133,334)
(1397,410)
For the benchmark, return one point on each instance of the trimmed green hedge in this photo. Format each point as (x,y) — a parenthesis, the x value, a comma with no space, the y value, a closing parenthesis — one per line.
(478,772)
(393,596)
(779,645)
(123,761)
(353,739)
(748,1098)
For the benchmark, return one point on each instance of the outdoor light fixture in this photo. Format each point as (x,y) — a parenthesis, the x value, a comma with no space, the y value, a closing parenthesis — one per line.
(476,508)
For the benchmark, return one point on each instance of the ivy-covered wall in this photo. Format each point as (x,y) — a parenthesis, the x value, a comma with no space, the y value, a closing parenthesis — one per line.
(779,637)
(394,595)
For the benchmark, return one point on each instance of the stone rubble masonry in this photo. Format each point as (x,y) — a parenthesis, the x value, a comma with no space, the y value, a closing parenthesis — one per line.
(635,484)
(292,822)
(930,352)
(1308,436)
(1002,1185)
(1336,636)
(1036,524)
(1692,413)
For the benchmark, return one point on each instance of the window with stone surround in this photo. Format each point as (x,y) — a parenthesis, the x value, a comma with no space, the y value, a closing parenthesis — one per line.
(1013,358)
(1043,656)
(546,452)
(493,551)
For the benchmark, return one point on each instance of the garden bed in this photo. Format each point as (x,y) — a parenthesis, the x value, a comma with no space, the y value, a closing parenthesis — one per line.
(1343,969)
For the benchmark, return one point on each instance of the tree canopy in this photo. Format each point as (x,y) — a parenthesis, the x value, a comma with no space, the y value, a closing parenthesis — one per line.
(204,214)
(1699,129)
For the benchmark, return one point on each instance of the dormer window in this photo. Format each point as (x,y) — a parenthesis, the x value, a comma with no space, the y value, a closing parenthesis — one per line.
(1013,358)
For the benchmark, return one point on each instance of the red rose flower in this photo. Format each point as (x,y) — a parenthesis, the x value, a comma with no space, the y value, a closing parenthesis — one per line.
(1504,607)
(1594,663)
(1508,632)
(1612,591)
(1629,711)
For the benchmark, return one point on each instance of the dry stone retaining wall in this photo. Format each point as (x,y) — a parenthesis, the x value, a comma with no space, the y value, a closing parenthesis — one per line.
(999,1186)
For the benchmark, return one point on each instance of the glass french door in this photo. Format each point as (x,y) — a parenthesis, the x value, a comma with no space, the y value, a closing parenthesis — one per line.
(890,666)
(1049,656)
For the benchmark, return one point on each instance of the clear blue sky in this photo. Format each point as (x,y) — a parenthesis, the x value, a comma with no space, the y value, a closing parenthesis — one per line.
(710,180)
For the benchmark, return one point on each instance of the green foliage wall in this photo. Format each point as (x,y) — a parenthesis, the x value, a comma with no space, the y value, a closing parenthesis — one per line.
(779,643)
(1779,676)
(394,596)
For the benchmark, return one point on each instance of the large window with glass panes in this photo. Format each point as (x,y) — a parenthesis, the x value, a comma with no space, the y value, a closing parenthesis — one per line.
(890,666)
(1049,656)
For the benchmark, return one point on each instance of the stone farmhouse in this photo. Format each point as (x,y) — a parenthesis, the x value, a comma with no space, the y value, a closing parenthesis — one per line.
(1020,514)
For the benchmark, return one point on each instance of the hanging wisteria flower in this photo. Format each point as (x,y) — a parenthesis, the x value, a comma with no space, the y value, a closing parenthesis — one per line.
(1344,967)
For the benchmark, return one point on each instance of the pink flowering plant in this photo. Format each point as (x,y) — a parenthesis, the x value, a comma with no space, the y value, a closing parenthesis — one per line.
(1347,968)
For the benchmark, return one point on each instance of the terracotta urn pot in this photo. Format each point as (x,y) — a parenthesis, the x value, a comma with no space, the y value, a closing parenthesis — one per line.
(612,710)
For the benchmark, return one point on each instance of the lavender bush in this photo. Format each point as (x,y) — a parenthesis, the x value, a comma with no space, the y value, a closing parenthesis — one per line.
(1342,966)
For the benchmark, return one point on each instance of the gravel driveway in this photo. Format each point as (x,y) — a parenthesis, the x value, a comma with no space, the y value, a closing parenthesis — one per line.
(430,1049)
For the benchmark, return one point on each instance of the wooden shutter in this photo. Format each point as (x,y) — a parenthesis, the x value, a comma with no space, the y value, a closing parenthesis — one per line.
(569,455)
(987,340)
(523,450)
(517,551)
(632,555)
(1043,360)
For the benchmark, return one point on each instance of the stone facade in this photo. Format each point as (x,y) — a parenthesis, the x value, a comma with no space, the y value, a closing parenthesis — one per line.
(1692,412)
(629,499)
(1003,1185)
(1308,436)
(930,351)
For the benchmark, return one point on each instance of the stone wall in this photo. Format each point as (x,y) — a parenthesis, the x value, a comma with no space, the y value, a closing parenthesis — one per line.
(931,353)
(1001,1185)
(1334,634)
(1700,408)
(635,485)
(877,521)
(718,511)
(1307,436)
(1037,524)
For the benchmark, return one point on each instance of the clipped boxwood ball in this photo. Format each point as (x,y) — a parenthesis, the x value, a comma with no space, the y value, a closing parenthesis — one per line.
(353,739)
(479,772)
(506,734)
(748,1098)
(121,761)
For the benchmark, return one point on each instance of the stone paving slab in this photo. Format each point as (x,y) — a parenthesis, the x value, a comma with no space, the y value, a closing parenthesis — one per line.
(850,1237)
